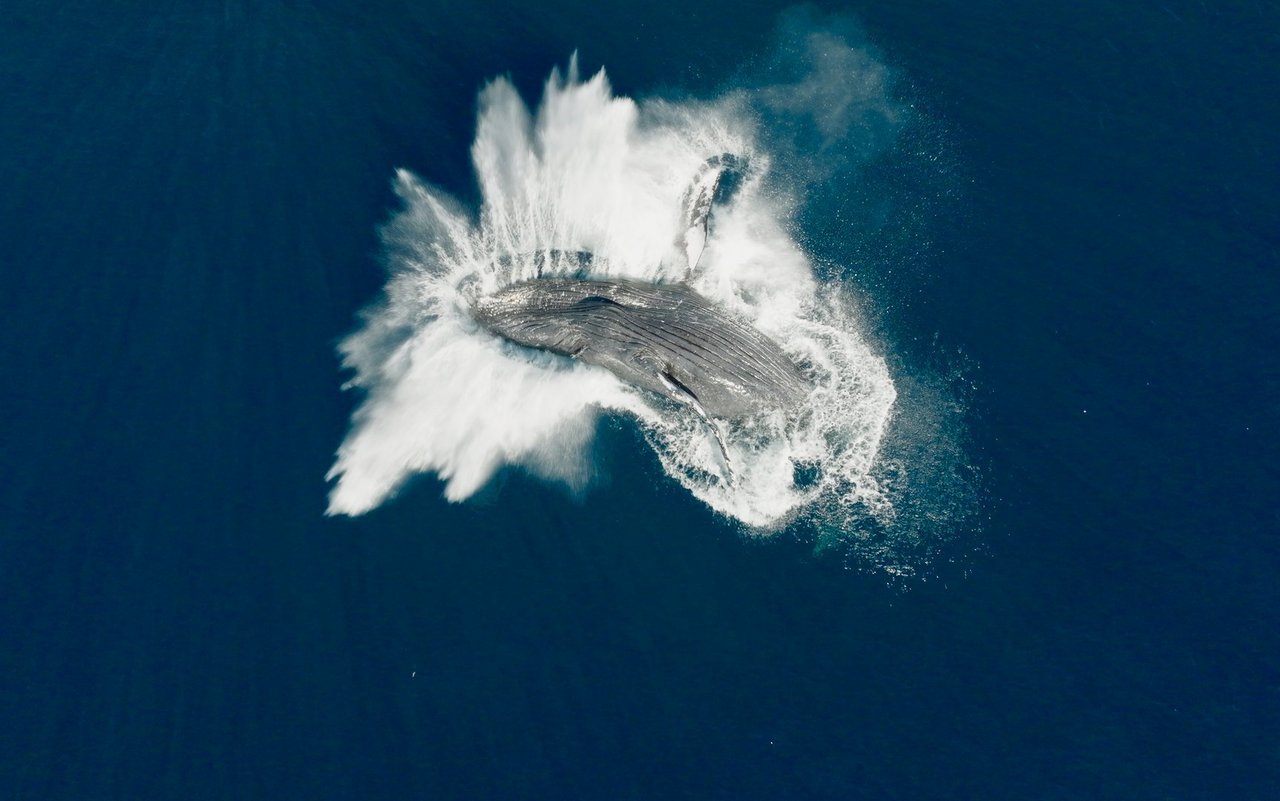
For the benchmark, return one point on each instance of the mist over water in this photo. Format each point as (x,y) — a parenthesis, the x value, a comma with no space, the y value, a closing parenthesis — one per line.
(589,171)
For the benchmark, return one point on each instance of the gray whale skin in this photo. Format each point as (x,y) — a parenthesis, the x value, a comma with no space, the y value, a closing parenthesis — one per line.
(661,337)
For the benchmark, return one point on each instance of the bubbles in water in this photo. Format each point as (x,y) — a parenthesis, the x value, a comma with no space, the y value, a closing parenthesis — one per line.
(592,183)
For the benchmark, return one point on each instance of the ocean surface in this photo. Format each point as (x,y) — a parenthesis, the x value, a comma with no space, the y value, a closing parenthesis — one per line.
(1023,545)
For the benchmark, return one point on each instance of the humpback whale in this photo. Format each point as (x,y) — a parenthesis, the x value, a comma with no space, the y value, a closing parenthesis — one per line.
(664,338)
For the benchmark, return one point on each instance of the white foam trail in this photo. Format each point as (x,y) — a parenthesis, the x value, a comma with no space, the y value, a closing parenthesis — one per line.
(594,172)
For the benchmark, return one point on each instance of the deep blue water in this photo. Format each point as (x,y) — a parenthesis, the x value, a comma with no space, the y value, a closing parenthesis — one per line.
(189,199)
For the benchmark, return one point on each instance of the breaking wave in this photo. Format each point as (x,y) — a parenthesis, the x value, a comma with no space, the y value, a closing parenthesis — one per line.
(590,171)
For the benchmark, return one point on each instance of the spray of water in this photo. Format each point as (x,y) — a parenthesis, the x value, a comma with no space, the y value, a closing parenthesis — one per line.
(591,172)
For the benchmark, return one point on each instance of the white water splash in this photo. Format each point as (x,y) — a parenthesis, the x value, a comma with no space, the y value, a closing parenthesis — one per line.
(602,174)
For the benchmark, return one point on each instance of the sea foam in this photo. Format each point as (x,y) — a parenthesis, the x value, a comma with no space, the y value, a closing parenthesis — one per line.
(593,172)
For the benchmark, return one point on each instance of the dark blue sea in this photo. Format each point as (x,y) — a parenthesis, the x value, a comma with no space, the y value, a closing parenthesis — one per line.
(1059,226)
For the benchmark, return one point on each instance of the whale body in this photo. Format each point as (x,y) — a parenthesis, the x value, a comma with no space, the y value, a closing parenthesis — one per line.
(665,338)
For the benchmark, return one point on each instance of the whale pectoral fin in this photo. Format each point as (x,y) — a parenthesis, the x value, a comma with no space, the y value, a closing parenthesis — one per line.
(679,391)
(717,181)
(677,387)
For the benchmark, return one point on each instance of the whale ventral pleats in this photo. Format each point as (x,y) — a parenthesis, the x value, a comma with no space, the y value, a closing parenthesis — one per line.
(661,337)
